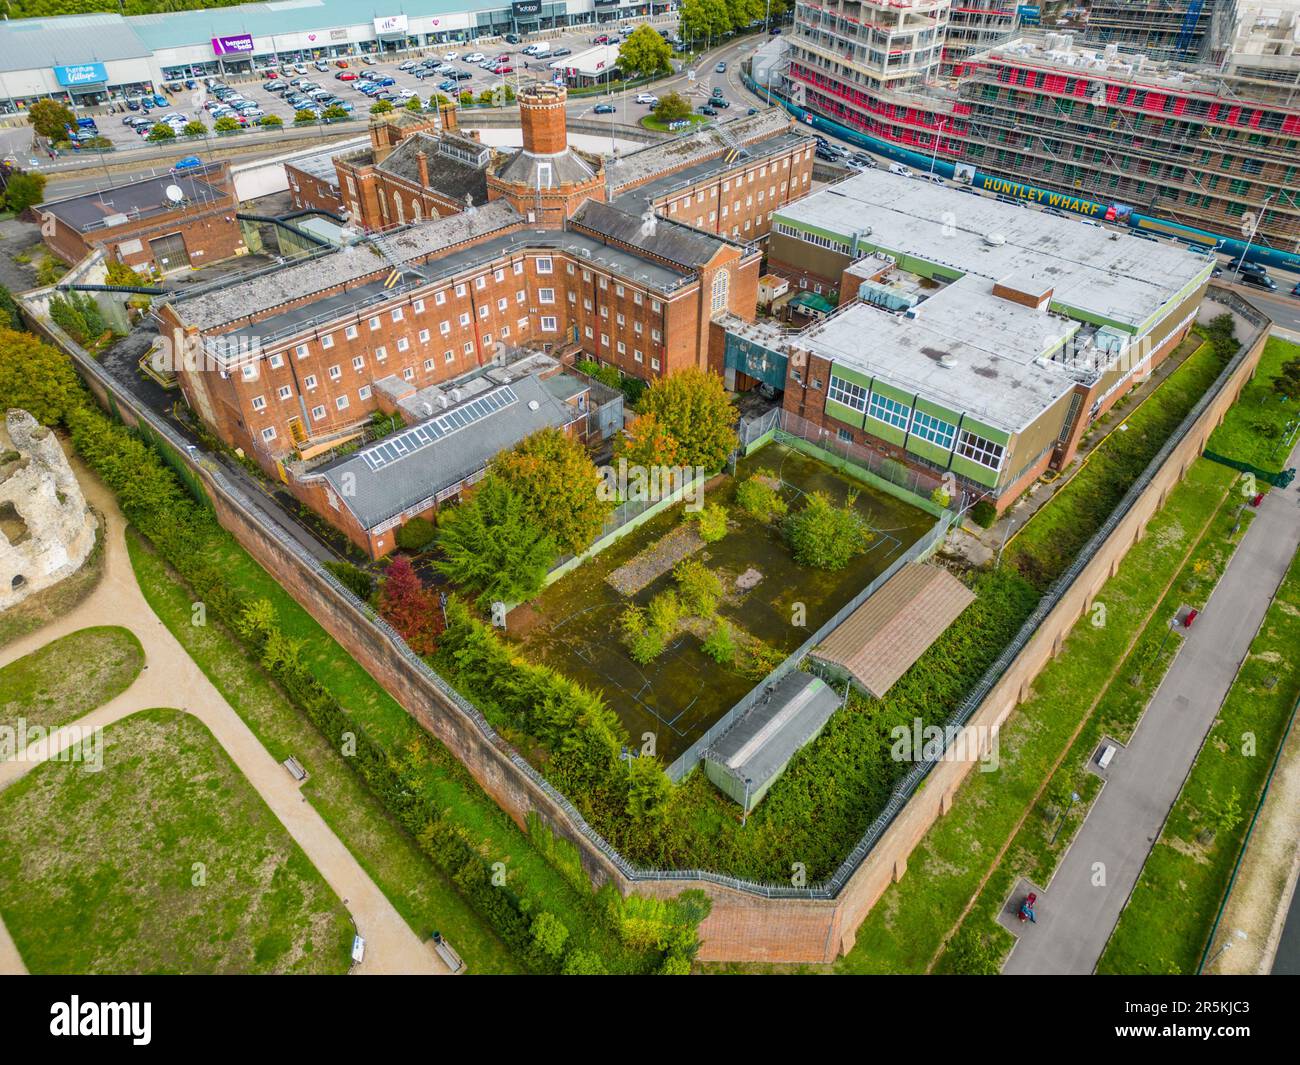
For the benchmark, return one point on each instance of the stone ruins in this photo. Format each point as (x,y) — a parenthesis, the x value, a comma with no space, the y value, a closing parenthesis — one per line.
(46,529)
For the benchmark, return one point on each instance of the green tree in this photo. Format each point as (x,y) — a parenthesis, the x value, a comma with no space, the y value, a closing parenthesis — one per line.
(194,128)
(491,547)
(438,98)
(24,190)
(332,113)
(693,409)
(161,132)
(712,520)
(121,275)
(647,443)
(417,534)
(823,535)
(413,104)
(381,107)
(559,486)
(649,791)
(226,124)
(51,119)
(549,934)
(38,378)
(302,117)
(760,500)
(644,53)
(672,107)
(704,19)
(583,963)
(273,121)
(742,12)
(970,954)
(10,316)
(1287,381)
(720,644)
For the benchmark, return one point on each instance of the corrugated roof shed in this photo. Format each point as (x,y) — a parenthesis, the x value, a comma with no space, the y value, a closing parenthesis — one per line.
(880,640)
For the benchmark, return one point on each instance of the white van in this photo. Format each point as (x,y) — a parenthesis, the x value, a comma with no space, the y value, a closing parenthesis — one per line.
(899,169)
(537,50)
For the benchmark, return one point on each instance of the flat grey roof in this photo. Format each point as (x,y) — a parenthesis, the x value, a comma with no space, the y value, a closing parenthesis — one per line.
(408,467)
(1109,274)
(68,40)
(136,199)
(761,743)
(989,347)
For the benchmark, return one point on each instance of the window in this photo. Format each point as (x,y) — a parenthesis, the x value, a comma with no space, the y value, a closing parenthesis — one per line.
(546,295)
(622,348)
(654,306)
(523,325)
(845,435)
(284,391)
(484,310)
(621,320)
(933,429)
(977,449)
(449,356)
(544,265)
(505,331)
(521,295)
(618,290)
(573,298)
(654,364)
(848,393)
(502,303)
(548,324)
(350,332)
(656,336)
(309,381)
(374,324)
(317,413)
(403,344)
(480,283)
(424,336)
(327,341)
(397,314)
(519,268)
(418,306)
(268,434)
(636,298)
(636,328)
(487,339)
(604,312)
(464,318)
(439,298)
(498,275)
(444,328)
(335,373)
(341,403)
(250,371)
(408,373)
(358,363)
(468,347)
(428,365)
(363,392)
(889,411)
(604,340)
(259,403)
(636,354)
(277,361)
(460,290)
(721,286)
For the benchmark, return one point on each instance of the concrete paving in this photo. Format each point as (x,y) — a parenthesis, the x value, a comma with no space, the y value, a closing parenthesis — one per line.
(172,679)
(1078,911)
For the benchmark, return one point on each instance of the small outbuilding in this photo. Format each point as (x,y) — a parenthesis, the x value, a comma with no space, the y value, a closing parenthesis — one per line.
(746,759)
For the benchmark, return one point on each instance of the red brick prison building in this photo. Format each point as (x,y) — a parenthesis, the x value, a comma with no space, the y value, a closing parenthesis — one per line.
(165,223)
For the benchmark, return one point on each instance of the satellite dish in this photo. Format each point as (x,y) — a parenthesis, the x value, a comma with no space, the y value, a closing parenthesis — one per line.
(174,193)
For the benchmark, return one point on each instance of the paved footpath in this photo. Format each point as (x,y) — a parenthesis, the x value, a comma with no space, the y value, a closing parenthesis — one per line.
(1076,918)
(172,679)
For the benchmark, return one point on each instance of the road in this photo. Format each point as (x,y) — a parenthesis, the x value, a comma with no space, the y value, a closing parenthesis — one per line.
(1076,913)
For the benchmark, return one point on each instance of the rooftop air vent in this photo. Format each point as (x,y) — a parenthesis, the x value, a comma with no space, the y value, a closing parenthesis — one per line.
(994,240)
(948,361)
(534,405)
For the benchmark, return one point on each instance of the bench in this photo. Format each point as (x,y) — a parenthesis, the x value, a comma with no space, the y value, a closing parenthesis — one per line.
(295,769)
(1107,753)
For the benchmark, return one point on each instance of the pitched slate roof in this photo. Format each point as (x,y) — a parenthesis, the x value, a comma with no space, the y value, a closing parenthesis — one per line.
(448,175)
(683,245)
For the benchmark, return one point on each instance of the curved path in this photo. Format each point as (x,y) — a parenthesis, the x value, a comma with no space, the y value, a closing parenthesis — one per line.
(171,678)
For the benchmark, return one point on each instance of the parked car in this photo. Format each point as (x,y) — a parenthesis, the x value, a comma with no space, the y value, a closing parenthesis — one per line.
(405,94)
(602,39)
(1257,281)
(369,60)
(646,98)
(560,52)
(475,57)
(299,68)
(159,100)
(341,64)
(752,111)
(718,101)
(321,65)
(705,109)
(863,160)
(900,170)
(447,86)
(512,38)
(605,109)
(345,75)
(504,68)
(450,57)
(1296,291)
(190,162)
(462,75)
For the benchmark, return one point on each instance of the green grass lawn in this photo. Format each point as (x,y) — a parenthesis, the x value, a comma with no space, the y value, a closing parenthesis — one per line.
(56,601)
(907,926)
(1053,536)
(1114,696)
(164,861)
(416,887)
(1168,919)
(1255,429)
(69,677)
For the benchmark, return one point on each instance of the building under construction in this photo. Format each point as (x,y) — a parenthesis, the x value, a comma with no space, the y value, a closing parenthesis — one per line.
(1188,30)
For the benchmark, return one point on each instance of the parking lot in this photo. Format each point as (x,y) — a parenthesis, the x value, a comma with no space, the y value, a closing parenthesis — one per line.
(194,99)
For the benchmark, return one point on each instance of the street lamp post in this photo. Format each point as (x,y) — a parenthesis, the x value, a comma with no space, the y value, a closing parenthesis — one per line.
(1254,228)
(1074,797)
(1226,946)
(934,155)
(744,810)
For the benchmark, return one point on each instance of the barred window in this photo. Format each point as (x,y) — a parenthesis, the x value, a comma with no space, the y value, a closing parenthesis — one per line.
(889,411)
(933,429)
(977,449)
(848,393)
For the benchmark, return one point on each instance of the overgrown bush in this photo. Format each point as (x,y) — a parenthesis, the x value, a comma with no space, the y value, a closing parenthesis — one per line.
(825,536)
(416,535)
(760,500)
(720,645)
(353,578)
(984,513)
(644,643)
(712,521)
(698,587)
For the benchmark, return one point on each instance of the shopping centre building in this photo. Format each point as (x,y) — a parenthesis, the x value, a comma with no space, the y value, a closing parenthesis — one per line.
(87,59)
